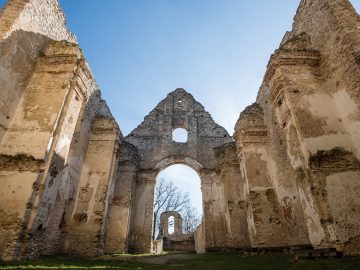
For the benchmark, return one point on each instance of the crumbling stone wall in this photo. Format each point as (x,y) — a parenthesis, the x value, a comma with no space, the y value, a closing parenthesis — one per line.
(49,104)
(43,17)
(117,236)
(272,203)
(164,225)
(85,229)
(310,109)
(72,184)
(157,150)
(47,113)
(25,28)
(234,183)
(177,240)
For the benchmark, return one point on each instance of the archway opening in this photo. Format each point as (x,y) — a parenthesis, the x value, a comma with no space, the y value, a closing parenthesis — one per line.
(178,189)
(171,224)
(180,135)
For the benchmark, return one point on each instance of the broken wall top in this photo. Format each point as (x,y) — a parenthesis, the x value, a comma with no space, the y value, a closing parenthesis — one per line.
(43,17)
(153,137)
(326,34)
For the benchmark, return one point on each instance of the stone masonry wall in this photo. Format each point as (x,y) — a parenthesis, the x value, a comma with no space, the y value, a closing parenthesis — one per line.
(157,150)
(290,176)
(86,229)
(234,184)
(117,236)
(30,150)
(47,109)
(43,17)
(309,99)
(25,28)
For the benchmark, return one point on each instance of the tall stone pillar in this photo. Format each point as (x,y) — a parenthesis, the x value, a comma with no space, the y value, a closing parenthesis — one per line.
(310,109)
(86,226)
(289,68)
(35,147)
(264,212)
(216,219)
(142,212)
(234,183)
(121,206)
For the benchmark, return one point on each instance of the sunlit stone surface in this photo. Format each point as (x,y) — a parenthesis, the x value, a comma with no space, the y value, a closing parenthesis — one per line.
(72,184)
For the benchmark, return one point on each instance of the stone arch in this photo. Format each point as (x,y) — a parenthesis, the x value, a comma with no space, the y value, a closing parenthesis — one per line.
(195,167)
(173,160)
(149,149)
(155,151)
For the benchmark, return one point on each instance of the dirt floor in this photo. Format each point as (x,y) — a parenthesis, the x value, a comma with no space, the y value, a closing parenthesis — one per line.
(157,260)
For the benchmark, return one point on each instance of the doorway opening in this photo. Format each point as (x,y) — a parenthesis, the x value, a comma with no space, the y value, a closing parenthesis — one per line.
(178,191)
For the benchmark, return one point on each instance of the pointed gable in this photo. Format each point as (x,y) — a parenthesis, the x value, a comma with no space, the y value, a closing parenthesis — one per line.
(178,110)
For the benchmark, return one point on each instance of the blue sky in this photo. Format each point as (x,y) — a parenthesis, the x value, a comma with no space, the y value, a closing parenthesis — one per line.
(141,50)
(187,180)
(217,50)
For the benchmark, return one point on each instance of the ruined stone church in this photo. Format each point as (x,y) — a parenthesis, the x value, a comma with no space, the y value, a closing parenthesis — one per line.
(70,183)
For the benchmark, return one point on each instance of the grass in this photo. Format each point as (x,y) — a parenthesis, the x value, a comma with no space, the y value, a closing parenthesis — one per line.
(226,261)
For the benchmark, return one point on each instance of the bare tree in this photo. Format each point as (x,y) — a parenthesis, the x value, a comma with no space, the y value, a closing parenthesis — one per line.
(168,197)
(191,219)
